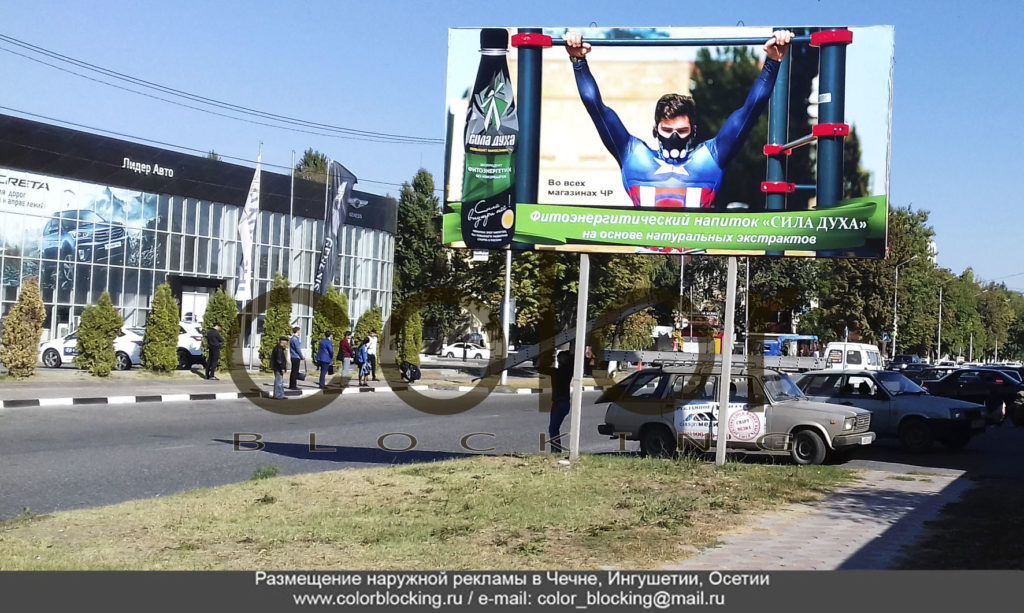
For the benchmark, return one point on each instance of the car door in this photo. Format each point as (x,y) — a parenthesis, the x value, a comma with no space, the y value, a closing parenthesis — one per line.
(864,392)
(970,386)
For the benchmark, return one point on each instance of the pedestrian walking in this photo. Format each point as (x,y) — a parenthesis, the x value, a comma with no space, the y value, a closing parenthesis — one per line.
(214,341)
(371,351)
(295,353)
(560,401)
(325,358)
(279,364)
(364,362)
(346,356)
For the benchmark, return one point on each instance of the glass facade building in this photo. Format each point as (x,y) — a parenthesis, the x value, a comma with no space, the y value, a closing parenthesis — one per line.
(88,214)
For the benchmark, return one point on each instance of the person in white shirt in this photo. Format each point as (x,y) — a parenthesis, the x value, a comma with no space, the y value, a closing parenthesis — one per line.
(371,350)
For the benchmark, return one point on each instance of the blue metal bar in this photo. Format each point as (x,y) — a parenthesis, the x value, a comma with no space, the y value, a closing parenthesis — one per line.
(528,148)
(678,42)
(778,132)
(831,109)
(805,188)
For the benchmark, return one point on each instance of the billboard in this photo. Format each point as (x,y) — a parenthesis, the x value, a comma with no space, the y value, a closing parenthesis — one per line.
(653,140)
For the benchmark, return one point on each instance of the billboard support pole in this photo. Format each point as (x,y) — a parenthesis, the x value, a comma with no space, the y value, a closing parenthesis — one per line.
(576,405)
(506,309)
(725,378)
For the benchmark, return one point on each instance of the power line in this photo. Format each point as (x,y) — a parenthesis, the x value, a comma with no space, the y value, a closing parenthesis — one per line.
(165,144)
(336,131)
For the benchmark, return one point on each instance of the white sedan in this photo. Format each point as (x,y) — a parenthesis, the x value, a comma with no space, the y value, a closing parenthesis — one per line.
(470,350)
(127,349)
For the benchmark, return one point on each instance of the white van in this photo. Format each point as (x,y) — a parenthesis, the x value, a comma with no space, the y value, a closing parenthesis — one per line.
(853,355)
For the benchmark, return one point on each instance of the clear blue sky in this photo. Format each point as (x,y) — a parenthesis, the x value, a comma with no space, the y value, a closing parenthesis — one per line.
(381,67)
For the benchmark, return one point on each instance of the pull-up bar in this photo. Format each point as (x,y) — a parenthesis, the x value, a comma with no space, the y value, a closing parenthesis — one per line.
(817,39)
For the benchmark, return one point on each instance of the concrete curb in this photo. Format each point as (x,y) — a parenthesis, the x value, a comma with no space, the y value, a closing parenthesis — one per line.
(121,399)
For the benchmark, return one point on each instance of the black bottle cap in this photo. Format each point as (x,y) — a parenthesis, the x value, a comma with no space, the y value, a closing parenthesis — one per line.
(494,38)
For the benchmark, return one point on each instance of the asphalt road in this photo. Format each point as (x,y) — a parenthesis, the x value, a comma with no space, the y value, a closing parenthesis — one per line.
(59,458)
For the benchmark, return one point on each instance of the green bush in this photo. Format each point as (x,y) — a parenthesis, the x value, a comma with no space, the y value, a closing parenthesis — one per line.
(330,314)
(371,320)
(99,326)
(411,340)
(22,331)
(221,309)
(278,320)
(160,342)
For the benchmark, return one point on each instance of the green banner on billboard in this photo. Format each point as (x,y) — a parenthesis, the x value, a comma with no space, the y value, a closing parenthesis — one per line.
(851,225)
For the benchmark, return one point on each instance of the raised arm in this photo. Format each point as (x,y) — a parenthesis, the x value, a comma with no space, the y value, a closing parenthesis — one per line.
(609,127)
(737,127)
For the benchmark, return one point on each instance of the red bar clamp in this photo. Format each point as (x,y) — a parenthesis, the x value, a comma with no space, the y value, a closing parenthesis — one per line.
(778,187)
(531,39)
(831,37)
(830,129)
(776,150)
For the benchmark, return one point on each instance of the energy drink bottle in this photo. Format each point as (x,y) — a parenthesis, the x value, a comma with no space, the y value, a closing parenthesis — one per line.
(492,129)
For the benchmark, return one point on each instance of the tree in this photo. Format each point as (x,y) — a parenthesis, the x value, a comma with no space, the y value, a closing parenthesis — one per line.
(160,341)
(221,309)
(278,320)
(370,320)
(410,340)
(100,325)
(22,331)
(312,166)
(419,255)
(330,314)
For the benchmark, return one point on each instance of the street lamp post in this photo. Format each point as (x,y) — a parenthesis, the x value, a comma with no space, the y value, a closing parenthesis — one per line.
(895,295)
(938,342)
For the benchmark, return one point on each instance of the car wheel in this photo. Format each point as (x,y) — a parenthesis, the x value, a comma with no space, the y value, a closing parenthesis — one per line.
(478,357)
(808,448)
(184,360)
(66,270)
(123,361)
(51,359)
(995,410)
(955,441)
(656,441)
(449,355)
(916,435)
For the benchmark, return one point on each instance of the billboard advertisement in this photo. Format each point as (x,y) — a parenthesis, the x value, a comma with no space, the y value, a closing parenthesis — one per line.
(660,140)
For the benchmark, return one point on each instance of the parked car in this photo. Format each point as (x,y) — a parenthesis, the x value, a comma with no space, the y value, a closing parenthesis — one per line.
(902,361)
(999,393)
(676,407)
(127,349)
(190,345)
(469,350)
(899,407)
(930,374)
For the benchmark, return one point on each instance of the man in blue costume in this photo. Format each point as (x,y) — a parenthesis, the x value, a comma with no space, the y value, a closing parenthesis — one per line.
(679,174)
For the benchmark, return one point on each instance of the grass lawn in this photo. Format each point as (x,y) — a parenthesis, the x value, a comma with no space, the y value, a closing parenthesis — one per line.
(504,512)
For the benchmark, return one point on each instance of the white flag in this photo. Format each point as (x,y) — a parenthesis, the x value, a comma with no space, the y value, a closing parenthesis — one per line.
(246,233)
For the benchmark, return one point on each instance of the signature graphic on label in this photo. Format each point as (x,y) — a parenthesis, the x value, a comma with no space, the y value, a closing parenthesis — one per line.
(481,213)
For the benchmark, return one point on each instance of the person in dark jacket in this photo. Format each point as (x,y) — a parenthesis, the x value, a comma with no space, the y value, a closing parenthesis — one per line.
(295,353)
(346,356)
(279,364)
(214,341)
(560,402)
(325,357)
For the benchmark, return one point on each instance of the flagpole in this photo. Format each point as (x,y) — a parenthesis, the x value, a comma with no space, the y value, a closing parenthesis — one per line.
(252,280)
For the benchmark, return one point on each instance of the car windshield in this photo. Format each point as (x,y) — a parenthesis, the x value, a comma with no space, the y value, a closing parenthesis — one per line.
(897,384)
(781,387)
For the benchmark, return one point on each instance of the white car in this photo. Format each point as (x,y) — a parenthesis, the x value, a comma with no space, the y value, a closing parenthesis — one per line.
(127,349)
(190,345)
(470,350)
